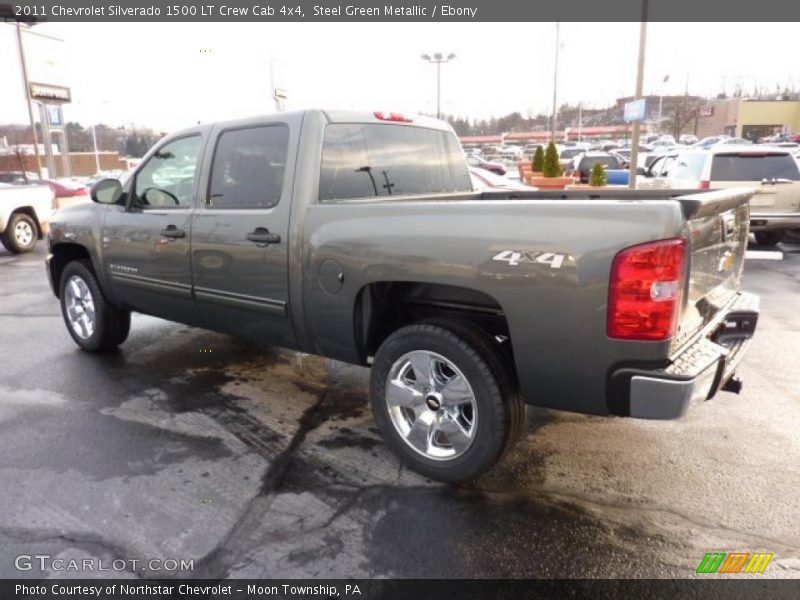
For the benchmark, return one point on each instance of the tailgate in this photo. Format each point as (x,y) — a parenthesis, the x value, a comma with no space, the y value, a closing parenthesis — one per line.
(717,231)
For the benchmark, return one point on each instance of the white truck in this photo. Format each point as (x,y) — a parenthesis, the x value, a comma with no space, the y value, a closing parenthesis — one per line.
(24,215)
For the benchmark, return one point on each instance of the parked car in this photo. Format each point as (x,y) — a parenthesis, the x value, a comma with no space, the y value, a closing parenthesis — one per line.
(566,156)
(19,177)
(67,192)
(734,141)
(530,149)
(24,216)
(773,172)
(688,139)
(707,142)
(359,237)
(512,152)
(582,165)
(488,181)
(482,163)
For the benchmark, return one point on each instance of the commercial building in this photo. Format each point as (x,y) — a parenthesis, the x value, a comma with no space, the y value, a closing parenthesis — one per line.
(750,119)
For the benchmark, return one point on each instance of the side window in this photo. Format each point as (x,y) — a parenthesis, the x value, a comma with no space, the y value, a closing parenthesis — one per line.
(689,166)
(248,167)
(167,179)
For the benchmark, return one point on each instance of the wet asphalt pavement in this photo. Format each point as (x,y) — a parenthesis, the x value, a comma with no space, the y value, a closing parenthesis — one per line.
(259,462)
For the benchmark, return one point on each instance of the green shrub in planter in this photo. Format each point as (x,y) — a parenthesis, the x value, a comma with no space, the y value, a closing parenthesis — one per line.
(537,164)
(599,177)
(551,167)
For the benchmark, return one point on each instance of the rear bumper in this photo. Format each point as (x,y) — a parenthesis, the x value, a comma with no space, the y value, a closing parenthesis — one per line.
(698,372)
(765,221)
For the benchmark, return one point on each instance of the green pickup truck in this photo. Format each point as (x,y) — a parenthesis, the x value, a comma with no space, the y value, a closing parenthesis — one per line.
(359,237)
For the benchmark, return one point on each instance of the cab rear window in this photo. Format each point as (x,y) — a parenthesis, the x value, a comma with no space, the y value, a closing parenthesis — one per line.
(377,160)
(753,167)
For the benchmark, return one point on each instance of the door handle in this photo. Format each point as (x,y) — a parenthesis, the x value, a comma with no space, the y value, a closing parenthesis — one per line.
(261,235)
(173,232)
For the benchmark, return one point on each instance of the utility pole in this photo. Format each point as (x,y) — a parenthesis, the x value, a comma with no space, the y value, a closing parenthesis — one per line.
(555,81)
(28,101)
(639,86)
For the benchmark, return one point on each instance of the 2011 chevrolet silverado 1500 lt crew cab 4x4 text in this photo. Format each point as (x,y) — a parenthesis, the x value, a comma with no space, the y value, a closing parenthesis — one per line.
(359,237)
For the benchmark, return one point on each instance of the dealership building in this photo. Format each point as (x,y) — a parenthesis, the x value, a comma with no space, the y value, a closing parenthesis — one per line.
(750,119)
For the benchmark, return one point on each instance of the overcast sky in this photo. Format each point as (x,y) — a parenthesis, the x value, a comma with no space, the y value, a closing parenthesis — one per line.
(168,75)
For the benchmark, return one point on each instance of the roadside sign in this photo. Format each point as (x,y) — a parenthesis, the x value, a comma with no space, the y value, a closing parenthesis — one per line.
(635,110)
(54,118)
(49,93)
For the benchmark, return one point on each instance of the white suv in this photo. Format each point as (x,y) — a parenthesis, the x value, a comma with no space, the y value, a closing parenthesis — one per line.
(773,172)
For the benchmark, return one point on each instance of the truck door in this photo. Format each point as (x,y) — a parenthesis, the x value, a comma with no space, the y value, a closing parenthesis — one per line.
(146,244)
(240,234)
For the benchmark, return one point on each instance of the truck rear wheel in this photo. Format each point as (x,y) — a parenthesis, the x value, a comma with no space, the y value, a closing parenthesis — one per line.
(445,399)
(21,234)
(93,323)
(768,238)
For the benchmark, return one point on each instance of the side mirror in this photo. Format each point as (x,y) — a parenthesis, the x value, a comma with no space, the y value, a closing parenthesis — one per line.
(641,171)
(106,191)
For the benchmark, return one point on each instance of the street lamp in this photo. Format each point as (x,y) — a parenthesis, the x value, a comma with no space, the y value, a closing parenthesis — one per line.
(555,80)
(438,58)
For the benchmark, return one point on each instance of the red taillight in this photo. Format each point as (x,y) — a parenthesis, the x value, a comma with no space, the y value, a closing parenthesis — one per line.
(645,290)
(705,185)
(397,117)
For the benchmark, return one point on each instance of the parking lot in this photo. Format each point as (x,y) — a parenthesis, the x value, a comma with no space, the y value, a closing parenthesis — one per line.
(256,462)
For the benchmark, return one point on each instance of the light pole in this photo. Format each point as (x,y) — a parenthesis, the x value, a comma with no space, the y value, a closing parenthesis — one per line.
(438,58)
(639,86)
(555,79)
(24,67)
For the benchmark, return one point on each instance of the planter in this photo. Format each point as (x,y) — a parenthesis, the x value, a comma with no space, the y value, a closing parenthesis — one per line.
(529,176)
(551,183)
(586,186)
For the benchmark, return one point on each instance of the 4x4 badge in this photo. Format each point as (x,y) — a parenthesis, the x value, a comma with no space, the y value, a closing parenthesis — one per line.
(513,258)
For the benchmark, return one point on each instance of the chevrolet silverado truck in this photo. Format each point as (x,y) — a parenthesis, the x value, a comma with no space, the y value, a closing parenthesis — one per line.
(359,237)
(24,215)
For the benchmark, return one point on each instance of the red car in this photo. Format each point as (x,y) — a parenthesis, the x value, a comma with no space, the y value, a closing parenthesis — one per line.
(480,163)
(67,192)
(66,189)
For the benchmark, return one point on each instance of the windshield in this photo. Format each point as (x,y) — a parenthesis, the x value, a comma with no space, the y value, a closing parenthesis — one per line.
(571,152)
(607,161)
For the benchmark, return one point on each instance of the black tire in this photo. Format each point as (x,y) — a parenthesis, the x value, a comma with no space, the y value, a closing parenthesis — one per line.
(21,234)
(500,411)
(111,325)
(768,238)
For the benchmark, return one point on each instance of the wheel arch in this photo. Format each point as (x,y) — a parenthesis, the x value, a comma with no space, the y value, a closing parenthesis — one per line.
(384,307)
(30,212)
(63,254)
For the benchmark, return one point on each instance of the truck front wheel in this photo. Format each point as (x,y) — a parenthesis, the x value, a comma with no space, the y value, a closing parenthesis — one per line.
(445,399)
(93,323)
(20,234)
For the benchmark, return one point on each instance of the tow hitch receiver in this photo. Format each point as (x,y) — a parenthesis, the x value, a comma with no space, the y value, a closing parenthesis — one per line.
(733,385)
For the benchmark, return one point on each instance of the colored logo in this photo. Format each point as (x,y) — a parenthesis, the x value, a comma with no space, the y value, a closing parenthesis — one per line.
(734,562)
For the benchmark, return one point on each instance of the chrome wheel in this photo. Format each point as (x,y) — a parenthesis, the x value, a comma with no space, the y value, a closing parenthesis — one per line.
(431,405)
(80,307)
(23,233)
